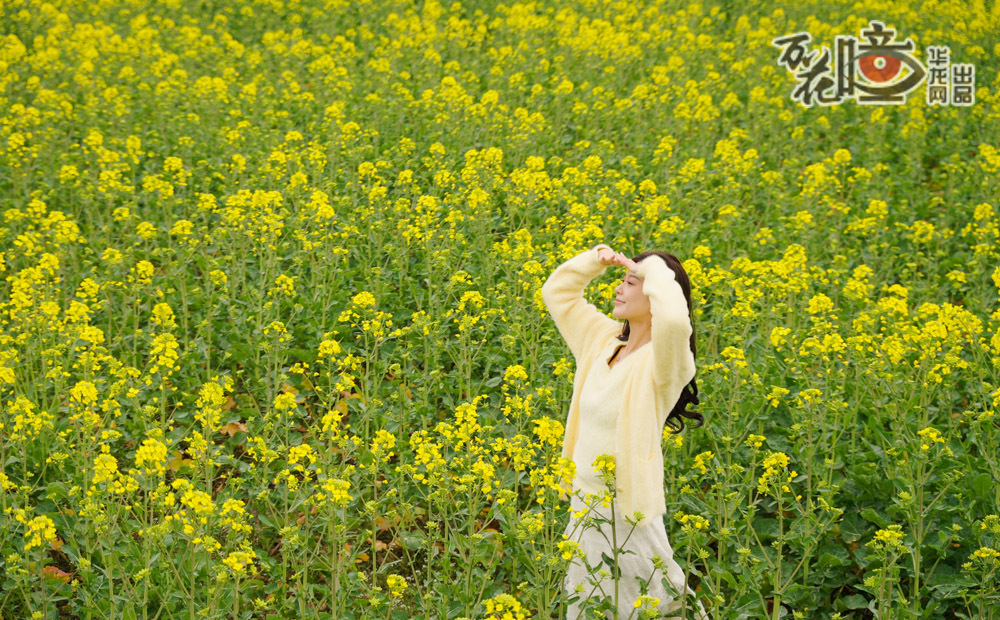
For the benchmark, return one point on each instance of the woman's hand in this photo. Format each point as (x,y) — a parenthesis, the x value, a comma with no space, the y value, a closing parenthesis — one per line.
(606,256)
(624,261)
(610,257)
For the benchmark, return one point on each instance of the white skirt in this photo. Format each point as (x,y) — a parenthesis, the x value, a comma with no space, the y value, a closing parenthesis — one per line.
(645,542)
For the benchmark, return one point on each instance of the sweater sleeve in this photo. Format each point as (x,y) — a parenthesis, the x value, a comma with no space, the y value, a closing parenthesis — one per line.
(578,321)
(673,360)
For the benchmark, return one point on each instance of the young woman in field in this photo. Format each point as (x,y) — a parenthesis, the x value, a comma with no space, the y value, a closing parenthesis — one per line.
(631,379)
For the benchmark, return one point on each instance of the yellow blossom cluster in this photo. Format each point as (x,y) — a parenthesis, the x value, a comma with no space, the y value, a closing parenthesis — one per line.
(271,299)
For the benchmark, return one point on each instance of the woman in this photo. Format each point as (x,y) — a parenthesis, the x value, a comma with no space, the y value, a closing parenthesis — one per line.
(630,380)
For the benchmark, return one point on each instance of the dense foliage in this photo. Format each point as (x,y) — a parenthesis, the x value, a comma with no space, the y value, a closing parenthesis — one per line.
(272,342)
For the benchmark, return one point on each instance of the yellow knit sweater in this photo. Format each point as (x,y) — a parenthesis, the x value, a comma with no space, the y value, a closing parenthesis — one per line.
(654,383)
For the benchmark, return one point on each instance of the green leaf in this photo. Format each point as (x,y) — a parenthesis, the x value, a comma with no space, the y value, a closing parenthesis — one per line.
(610,563)
(852,528)
(854,601)
(57,490)
(947,582)
(71,553)
(828,559)
(766,528)
(747,604)
(874,517)
(983,486)
(414,541)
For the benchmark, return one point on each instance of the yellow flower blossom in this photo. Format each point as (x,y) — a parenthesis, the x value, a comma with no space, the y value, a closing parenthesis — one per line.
(701,461)
(152,456)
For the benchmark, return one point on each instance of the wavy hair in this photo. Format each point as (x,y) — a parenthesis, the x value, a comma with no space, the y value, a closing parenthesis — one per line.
(689,395)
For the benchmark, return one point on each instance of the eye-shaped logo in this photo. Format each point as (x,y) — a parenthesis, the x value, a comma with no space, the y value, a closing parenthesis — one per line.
(879,68)
(882,68)
(872,69)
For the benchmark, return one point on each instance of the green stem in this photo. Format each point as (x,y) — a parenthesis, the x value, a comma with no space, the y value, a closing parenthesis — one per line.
(614,549)
(374,518)
(780,544)
(683,592)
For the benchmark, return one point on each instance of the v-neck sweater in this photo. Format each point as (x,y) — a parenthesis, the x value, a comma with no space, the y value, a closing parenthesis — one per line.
(600,398)
(621,409)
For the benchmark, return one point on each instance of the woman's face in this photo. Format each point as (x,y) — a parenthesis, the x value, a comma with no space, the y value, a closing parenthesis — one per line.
(630,302)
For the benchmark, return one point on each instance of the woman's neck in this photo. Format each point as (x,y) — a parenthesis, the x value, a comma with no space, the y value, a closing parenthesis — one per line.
(639,333)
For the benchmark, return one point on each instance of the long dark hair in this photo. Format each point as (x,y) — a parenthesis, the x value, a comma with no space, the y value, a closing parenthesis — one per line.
(689,395)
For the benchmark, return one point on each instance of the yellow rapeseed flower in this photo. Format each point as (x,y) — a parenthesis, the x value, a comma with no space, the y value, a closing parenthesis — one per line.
(152,456)
(397,585)
(505,607)
(41,530)
(240,562)
(702,459)
(931,436)
(84,393)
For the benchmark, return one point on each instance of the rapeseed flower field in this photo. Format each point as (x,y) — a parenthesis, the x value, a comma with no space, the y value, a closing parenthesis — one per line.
(272,343)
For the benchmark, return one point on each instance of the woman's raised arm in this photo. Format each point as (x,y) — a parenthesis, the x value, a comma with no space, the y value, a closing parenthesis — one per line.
(670,325)
(578,321)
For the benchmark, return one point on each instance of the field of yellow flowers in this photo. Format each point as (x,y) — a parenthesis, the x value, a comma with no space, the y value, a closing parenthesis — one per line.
(272,342)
